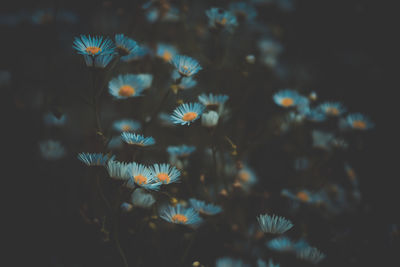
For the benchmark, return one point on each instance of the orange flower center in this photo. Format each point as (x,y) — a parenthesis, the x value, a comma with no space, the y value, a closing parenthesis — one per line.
(93,50)
(163,177)
(140,179)
(179,218)
(359,125)
(244,176)
(126,128)
(223,21)
(287,102)
(332,111)
(126,90)
(167,56)
(189,116)
(303,196)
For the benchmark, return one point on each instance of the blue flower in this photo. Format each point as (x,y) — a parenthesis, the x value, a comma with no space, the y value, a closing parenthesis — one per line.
(165,173)
(246,177)
(274,224)
(310,254)
(180,151)
(94,159)
(359,121)
(145,79)
(93,46)
(332,108)
(166,52)
(286,98)
(315,115)
(261,263)
(187,113)
(243,10)
(186,83)
(185,65)
(51,149)
(126,125)
(142,199)
(127,85)
(281,244)
(100,61)
(143,177)
(212,101)
(219,18)
(201,207)
(137,139)
(51,119)
(118,170)
(229,262)
(180,215)
(126,46)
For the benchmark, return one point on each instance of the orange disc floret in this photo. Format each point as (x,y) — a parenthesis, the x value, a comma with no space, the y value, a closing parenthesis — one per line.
(179,218)
(126,90)
(93,50)
(332,111)
(167,56)
(303,196)
(244,176)
(163,177)
(359,125)
(140,179)
(287,102)
(189,116)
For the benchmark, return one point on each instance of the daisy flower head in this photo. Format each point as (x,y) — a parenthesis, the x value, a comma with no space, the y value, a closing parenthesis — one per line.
(246,177)
(51,149)
(93,46)
(281,244)
(126,125)
(209,119)
(125,86)
(126,47)
(143,177)
(274,224)
(201,207)
(94,159)
(140,198)
(181,215)
(145,79)
(118,170)
(165,173)
(166,52)
(100,61)
(186,66)
(358,121)
(137,139)
(286,98)
(213,102)
(230,262)
(219,19)
(187,113)
(333,109)
(310,254)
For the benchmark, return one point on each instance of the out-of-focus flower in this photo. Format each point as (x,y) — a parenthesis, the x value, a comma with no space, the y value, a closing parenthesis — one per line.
(322,139)
(52,120)
(246,177)
(93,46)
(213,102)
(126,47)
(286,98)
(251,59)
(332,108)
(51,149)
(118,170)
(243,11)
(126,125)
(187,113)
(274,224)
(281,244)
(125,86)
(359,121)
(209,119)
(310,254)
(94,159)
(229,262)
(261,263)
(186,66)
(137,139)
(181,151)
(180,215)
(165,173)
(146,79)
(166,52)
(219,19)
(140,198)
(201,207)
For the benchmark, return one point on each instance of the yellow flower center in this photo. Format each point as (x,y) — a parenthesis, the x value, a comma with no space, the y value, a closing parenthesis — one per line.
(244,176)
(303,196)
(287,102)
(167,56)
(93,50)
(189,116)
(163,177)
(179,218)
(126,128)
(359,125)
(140,179)
(126,90)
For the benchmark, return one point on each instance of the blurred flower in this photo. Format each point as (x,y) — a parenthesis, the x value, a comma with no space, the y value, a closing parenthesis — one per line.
(251,59)
(311,254)
(180,215)
(52,120)
(261,263)
(274,224)
(243,11)
(332,108)
(358,121)
(246,177)
(126,47)
(185,65)
(166,52)
(93,46)
(165,173)
(126,125)
(187,113)
(127,85)
(94,159)
(202,207)
(126,207)
(229,262)
(143,177)
(181,151)
(142,199)
(209,119)
(145,79)
(219,18)
(51,149)
(281,244)
(213,102)
(118,170)
(322,139)
(137,139)
(286,98)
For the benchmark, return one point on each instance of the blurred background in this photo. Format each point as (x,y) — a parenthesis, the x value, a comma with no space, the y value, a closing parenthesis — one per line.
(338,49)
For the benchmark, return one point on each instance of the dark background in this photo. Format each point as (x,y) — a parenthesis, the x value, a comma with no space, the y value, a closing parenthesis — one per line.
(344,47)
